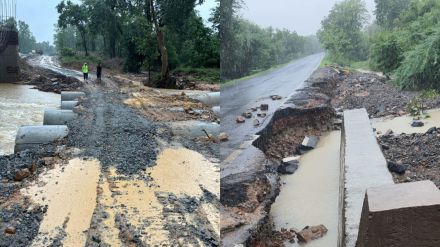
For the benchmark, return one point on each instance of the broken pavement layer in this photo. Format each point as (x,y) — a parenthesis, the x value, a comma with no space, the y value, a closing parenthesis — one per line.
(307,112)
(250,182)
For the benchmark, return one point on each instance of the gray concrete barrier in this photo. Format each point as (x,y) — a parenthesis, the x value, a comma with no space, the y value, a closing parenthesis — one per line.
(58,117)
(209,99)
(71,96)
(68,105)
(29,136)
(362,166)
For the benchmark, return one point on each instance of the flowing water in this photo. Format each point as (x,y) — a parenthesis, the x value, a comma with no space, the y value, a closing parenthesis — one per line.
(402,124)
(21,105)
(311,195)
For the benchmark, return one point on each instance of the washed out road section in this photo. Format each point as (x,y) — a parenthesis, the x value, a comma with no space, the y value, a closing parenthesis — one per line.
(243,95)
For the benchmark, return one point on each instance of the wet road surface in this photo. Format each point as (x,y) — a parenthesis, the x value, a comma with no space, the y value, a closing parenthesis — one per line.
(255,91)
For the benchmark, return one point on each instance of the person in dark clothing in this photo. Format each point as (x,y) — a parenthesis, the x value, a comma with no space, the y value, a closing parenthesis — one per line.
(99,72)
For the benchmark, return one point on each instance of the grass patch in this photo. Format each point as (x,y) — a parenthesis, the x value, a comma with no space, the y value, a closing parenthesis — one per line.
(254,74)
(208,75)
(80,59)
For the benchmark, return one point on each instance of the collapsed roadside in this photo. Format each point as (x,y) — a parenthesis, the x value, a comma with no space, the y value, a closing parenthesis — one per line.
(309,113)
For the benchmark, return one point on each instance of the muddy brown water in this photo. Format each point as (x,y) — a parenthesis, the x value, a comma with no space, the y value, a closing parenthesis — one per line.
(402,124)
(311,195)
(21,105)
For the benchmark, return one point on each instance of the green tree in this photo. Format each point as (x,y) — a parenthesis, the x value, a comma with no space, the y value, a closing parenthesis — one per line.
(388,11)
(74,15)
(341,31)
(26,38)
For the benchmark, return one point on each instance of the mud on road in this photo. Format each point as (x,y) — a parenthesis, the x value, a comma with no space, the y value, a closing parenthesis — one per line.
(119,179)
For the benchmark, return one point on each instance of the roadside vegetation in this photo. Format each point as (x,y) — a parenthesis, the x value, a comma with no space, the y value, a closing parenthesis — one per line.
(403,41)
(157,36)
(247,48)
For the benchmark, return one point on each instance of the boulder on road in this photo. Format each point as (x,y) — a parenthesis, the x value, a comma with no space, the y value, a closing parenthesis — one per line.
(264,107)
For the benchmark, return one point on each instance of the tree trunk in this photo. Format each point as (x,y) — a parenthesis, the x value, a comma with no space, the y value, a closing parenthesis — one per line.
(84,41)
(165,71)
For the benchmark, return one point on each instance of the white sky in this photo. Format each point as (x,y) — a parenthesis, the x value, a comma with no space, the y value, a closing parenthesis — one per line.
(303,16)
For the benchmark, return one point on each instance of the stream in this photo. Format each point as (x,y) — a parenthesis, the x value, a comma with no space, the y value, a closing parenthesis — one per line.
(21,105)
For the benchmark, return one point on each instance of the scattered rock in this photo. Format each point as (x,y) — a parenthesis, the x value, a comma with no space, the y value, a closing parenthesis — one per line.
(309,142)
(289,165)
(397,168)
(275,97)
(261,114)
(264,107)
(431,130)
(10,230)
(311,233)
(22,174)
(223,137)
(247,114)
(240,119)
(256,122)
(417,124)
(389,132)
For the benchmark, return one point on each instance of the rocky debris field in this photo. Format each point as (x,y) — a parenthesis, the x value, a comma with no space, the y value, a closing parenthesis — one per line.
(413,157)
(46,80)
(17,212)
(375,93)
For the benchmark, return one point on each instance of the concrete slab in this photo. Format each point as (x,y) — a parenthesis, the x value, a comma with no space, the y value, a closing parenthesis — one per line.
(401,215)
(363,166)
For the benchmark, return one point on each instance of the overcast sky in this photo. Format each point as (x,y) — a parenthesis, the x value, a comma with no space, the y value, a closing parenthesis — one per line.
(303,16)
(41,16)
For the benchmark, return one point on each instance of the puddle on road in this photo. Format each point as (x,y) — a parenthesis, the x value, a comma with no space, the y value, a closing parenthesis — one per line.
(21,105)
(70,193)
(403,124)
(178,171)
(311,195)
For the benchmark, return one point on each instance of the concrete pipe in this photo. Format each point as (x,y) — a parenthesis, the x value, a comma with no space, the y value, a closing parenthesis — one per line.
(30,136)
(68,105)
(194,129)
(58,117)
(216,110)
(209,99)
(71,96)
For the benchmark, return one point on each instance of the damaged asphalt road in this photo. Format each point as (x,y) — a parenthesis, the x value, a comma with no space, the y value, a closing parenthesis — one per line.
(244,95)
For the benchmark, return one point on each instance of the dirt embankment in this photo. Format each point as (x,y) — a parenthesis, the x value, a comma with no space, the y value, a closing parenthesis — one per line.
(46,80)
(247,197)
(375,93)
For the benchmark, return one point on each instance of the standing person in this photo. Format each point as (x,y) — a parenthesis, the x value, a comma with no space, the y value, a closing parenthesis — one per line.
(85,70)
(99,72)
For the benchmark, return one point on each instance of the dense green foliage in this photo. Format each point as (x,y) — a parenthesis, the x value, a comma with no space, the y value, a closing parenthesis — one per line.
(388,11)
(410,47)
(127,29)
(28,43)
(247,47)
(341,32)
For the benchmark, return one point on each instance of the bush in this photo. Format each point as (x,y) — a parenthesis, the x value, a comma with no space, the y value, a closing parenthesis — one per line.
(67,52)
(421,66)
(385,52)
